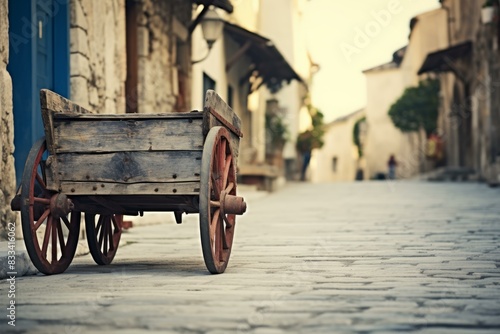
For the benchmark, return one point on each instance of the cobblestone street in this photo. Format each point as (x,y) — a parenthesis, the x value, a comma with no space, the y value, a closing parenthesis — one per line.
(312,258)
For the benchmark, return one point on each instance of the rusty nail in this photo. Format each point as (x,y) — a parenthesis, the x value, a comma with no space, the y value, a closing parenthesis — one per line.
(175,190)
(72,190)
(94,188)
(156,190)
(174,176)
(102,185)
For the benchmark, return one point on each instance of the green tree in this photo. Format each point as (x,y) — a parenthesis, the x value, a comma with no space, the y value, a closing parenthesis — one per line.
(417,108)
(355,135)
(312,138)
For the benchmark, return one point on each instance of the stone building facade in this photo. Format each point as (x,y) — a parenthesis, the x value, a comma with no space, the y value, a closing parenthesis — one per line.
(428,34)
(469,71)
(7,177)
(123,56)
(101,60)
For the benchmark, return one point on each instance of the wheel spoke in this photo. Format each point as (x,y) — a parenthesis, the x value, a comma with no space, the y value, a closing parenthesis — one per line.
(222,160)
(105,228)
(110,235)
(215,204)
(101,235)
(115,224)
(40,181)
(98,227)
(213,225)
(46,237)
(41,219)
(61,238)
(226,169)
(41,200)
(230,187)
(223,235)
(218,240)
(54,241)
(66,222)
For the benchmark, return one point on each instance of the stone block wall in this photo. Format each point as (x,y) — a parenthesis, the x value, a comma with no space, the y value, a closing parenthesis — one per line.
(98,55)
(7,173)
(157,52)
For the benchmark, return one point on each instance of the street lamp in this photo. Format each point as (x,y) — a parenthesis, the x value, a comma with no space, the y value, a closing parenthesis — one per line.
(211,27)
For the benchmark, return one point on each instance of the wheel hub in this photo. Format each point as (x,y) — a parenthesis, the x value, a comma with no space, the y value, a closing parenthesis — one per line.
(60,205)
(231,204)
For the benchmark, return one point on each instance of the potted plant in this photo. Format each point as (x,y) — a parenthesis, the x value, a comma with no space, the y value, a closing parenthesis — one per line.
(488,11)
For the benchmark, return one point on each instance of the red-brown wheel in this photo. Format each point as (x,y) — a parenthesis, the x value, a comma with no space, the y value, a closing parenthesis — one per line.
(217,189)
(50,226)
(103,236)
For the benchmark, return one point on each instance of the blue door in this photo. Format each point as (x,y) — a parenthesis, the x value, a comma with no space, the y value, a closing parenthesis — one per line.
(39,58)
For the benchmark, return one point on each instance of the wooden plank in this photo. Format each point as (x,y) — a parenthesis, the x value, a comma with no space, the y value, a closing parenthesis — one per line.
(222,112)
(56,103)
(185,115)
(234,140)
(51,103)
(94,135)
(130,167)
(93,188)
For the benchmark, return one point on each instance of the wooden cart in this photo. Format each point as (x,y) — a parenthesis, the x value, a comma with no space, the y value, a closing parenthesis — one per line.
(107,166)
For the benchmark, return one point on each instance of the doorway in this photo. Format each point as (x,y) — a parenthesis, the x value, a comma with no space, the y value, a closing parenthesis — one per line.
(38,59)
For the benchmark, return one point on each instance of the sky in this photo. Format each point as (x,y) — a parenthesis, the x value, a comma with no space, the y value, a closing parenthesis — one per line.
(347,37)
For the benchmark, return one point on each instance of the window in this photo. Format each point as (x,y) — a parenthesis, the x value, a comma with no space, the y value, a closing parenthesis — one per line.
(230,96)
(334,164)
(132,82)
(208,83)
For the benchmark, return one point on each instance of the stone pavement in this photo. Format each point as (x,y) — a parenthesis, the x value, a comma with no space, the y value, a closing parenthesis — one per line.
(333,258)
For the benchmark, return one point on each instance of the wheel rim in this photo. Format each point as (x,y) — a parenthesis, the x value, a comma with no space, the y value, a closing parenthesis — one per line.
(103,235)
(217,175)
(50,238)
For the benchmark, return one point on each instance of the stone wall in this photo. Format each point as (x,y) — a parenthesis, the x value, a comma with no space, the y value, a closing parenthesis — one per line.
(7,174)
(157,43)
(98,56)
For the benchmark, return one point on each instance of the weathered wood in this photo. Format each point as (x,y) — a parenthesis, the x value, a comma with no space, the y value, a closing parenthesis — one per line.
(56,103)
(234,140)
(130,167)
(51,103)
(95,135)
(72,116)
(96,188)
(216,107)
(223,116)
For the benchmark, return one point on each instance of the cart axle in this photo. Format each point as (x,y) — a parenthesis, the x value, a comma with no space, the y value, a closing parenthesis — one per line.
(60,205)
(231,204)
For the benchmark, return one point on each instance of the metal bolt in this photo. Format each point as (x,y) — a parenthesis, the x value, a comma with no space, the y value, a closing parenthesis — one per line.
(72,190)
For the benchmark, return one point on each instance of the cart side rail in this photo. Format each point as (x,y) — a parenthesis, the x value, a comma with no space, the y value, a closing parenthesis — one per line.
(98,154)
(217,112)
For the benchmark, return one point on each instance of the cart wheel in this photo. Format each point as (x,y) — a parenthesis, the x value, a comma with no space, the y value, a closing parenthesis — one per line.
(103,236)
(218,181)
(50,227)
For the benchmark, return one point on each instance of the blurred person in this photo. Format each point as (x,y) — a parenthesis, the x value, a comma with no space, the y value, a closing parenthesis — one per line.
(392,163)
